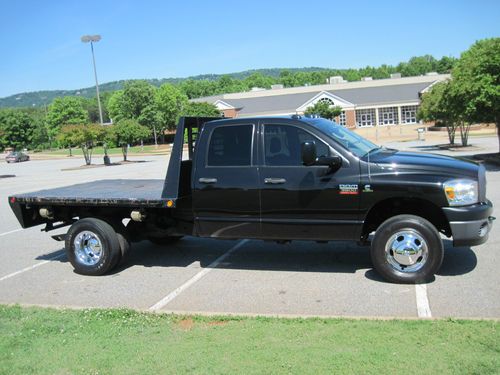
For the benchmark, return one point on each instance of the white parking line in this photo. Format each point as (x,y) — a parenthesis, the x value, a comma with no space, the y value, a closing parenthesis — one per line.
(32,267)
(12,231)
(423,308)
(171,296)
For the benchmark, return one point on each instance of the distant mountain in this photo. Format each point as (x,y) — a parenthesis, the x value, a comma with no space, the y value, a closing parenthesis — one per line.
(42,98)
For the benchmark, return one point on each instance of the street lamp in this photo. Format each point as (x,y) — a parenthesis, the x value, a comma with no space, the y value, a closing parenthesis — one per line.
(92,39)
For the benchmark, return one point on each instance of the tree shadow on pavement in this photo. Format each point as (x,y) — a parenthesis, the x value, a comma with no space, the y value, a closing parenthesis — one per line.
(341,256)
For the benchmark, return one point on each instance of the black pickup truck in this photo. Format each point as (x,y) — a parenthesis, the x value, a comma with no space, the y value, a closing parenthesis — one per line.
(281,179)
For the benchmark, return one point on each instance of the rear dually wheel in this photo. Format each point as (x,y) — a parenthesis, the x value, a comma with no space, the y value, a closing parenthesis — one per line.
(92,247)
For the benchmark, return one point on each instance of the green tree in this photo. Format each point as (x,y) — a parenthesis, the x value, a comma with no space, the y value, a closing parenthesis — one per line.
(259,80)
(152,119)
(131,101)
(439,106)
(70,136)
(446,64)
(170,103)
(129,132)
(39,138)
(84,135)
(324,110)
(287,79)
(226,84)
(137,95)
(136,102)
(201,110)
(16,129)
(199,88)
(476,82)
(68,110)
(92,107)
(116,106)
(418,65)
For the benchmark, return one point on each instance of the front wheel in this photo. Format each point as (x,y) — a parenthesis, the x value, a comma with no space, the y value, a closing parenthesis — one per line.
(92,246)
(407,249)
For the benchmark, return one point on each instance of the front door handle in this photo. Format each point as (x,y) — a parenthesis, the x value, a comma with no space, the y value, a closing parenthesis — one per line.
(274,181)
(204,180)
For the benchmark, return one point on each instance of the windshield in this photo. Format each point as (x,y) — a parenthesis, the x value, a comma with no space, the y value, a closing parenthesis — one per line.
(351,141)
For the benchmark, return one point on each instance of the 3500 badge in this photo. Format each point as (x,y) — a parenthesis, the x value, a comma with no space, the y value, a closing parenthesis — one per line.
(348,189)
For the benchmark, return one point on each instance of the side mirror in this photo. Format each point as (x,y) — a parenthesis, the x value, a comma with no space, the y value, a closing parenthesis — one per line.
(308,150)
(334,162)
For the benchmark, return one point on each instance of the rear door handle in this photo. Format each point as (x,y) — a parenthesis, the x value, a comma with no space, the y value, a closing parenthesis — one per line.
(204,180)
(274,181)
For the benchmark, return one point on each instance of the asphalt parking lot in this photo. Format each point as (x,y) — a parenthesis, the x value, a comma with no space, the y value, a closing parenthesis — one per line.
(239,277)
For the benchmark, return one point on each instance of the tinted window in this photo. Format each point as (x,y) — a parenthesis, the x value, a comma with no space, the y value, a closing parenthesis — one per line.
(230,146)
(283,144)
(349,140)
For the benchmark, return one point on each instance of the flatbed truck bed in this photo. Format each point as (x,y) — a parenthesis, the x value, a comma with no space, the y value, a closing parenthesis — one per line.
(117,192)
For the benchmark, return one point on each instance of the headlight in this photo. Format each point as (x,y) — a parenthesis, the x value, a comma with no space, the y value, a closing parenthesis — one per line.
(461,192)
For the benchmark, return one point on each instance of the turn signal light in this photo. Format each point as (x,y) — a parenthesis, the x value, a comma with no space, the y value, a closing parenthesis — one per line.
(450,192)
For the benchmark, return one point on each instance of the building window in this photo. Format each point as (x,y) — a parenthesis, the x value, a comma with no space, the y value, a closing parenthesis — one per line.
(230,146)
(409,114)
(326,100)
(365,117)
(342,119)
(388,116)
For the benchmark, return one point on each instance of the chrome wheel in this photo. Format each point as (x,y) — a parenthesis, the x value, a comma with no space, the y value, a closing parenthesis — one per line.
(88,248)
(406,251)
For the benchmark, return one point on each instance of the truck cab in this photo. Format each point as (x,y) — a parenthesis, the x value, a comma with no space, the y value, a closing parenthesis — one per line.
(250,181)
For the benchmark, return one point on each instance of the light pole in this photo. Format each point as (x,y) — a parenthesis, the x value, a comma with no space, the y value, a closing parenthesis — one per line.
(92,39)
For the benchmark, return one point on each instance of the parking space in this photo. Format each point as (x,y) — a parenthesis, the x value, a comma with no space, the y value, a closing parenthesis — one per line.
(301,278)
(240,277)
(150,273)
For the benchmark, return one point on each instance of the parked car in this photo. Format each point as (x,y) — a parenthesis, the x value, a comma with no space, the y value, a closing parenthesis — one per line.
(16,156)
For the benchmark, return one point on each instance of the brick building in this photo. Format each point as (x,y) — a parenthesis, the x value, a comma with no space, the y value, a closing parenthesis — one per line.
(364,103)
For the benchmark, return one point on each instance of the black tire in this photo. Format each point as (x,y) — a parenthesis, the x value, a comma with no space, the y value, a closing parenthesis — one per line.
(420,246)
(164,241)
(102,234)
(124,246)
(123,239)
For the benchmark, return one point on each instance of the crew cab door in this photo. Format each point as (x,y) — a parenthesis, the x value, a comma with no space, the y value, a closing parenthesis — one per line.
(225,182)
(304,202)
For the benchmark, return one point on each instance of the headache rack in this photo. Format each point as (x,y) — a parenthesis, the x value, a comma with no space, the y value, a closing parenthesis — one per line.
(178,171)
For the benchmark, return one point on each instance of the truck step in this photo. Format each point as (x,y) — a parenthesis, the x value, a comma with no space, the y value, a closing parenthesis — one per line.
(59,237)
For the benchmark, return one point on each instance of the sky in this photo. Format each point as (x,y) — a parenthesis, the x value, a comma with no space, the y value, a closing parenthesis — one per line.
(40,47)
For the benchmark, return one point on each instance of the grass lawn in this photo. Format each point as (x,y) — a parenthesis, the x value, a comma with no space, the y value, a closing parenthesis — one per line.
(112,151)
(46,341)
